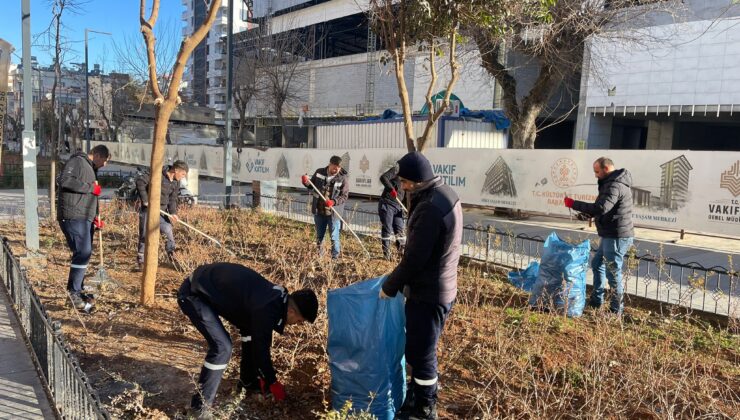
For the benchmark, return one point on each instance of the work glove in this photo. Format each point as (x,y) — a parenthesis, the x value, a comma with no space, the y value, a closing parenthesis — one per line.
(96,189)
(276,389)
(329,203)
(394,193)
(382,294)
(99,224)
(305,180)
(568,202)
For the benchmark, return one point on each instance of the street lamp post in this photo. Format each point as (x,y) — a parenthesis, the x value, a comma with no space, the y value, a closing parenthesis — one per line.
(30,186)
(87,88)
(227,142)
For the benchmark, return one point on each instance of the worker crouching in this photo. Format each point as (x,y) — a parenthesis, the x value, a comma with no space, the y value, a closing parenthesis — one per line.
(256,307)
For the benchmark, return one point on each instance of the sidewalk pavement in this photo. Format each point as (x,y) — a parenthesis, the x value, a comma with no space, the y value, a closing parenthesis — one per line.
(22,394)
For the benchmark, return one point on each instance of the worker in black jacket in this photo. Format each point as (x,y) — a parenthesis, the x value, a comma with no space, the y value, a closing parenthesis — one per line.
(77,212)
(171,177)
(613,212)
(333,183)
(428,273)
(391,212)
(253,305)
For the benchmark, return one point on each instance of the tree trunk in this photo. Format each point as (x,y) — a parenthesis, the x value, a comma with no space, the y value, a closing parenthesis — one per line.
(151,258)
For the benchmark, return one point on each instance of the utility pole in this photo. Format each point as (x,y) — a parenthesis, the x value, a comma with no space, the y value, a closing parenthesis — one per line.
(227,141)
(30,183)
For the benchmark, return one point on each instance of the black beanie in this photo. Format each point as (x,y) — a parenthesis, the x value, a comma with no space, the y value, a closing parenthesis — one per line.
(415,167)
(307,304)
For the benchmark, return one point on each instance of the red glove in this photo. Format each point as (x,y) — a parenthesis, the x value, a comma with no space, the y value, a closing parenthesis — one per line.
(568,202)
(96,189)
(329,203)
(394,193)
(305,180)
(99,224)
(276,389)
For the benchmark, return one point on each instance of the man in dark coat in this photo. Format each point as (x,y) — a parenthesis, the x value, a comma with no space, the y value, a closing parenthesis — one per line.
(333,183)
(78,216)
(171,177)
(256,307)
(428,273)
(391,212)
(613,213)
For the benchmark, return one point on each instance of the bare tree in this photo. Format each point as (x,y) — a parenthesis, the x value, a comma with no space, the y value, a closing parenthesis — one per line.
(246,85)
(165,102)
(133,60)
(58,9)
(553,35)
(411,27)
(280,73)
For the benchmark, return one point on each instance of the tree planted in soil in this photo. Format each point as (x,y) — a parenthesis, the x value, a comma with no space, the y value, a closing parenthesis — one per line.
(165,103)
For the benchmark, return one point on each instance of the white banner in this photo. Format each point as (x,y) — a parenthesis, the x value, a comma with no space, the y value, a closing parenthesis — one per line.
(698,191)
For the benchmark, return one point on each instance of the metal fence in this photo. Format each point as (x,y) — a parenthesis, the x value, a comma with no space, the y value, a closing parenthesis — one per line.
(691,285)
(73,396)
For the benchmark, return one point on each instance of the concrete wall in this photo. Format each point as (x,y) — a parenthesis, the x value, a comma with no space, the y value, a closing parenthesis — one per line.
(695,63)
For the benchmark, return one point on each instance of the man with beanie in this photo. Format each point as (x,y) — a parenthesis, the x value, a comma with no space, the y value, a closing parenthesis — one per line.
(256,307)
(333,183)
(391,212)
(428,274)
(78,216)
(613,213)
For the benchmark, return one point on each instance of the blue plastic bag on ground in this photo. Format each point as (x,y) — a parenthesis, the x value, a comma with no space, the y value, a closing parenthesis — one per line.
(366,349)
(526,279)
(562,277)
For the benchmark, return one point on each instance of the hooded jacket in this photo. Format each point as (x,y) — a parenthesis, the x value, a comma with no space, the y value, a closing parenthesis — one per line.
(613,207)
(75,184)
(433,245)
(336,188)
(248,301)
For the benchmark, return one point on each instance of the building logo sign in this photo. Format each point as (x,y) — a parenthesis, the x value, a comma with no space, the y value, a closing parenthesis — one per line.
(448,173)
(730,179)
(564,172)
(282,168)
(257,165)
(364,181)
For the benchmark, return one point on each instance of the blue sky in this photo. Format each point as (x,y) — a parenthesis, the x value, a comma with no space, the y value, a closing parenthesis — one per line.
(119,17)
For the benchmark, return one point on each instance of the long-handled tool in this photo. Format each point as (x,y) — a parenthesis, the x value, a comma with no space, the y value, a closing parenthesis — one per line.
(191,227)
(402,206)
(340,217)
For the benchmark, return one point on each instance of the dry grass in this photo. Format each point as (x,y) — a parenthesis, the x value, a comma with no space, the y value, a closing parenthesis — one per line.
(497,358)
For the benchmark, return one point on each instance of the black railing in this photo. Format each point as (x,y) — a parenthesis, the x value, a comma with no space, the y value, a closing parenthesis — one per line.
(73,396)
(709,289)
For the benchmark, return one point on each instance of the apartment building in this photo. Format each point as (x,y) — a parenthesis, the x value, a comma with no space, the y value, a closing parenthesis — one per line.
(206,68)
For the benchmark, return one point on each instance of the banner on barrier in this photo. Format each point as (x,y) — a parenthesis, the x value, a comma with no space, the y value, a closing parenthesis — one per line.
(673,189)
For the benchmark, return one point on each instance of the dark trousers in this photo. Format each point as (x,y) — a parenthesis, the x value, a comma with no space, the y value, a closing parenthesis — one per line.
(424,324)
(391,221)
(206,320)
(164,227)
(79,235)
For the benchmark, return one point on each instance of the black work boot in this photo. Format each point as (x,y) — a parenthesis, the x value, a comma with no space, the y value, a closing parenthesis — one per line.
(408,404)
(424,411)
(80,304)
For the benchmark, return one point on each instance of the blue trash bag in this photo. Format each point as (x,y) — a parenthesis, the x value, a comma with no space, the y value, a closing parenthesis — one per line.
(526,279)
(562,276)
(366,349)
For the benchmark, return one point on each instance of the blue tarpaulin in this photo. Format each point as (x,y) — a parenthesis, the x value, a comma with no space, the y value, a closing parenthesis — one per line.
(366,348)
(562,276)
(495,116)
